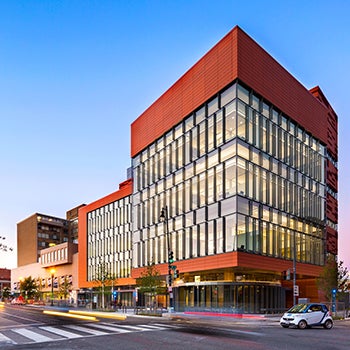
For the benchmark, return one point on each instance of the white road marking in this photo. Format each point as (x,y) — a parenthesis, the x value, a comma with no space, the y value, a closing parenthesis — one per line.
(6,340)
(32,335)
(61,332)
(165,325)
(136,328)
(109,328)
(94,329)
(151,327)
(86,330)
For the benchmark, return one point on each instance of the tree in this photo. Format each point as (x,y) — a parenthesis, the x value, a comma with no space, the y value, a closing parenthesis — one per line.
(333,276)
(103,278)
(151,283)
(28,287)
(65,288)
(6,292)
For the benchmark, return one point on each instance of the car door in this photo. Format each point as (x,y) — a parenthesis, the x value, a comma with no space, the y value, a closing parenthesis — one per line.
(314,314)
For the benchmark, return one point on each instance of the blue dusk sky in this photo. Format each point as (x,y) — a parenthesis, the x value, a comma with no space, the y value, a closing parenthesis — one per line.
(74,74)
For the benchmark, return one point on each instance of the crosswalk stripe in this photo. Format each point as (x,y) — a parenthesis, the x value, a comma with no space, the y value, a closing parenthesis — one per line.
(150,327)
(61,332)
(37,337)
(95,329)
(109,328)
(86,330)
(136,328)
(166,325)
(4,339)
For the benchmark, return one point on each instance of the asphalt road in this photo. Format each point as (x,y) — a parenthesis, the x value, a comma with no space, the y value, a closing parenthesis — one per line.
(25,328)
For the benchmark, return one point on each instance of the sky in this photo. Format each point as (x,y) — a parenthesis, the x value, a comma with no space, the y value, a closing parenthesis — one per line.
(74,74)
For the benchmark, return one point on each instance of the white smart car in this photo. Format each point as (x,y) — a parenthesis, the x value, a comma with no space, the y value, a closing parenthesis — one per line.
(307,315)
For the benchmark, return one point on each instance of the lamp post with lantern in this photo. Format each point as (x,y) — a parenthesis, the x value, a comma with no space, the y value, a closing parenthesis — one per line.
(164,217)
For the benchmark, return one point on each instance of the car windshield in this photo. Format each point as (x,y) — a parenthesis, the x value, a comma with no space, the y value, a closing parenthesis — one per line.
(298,308)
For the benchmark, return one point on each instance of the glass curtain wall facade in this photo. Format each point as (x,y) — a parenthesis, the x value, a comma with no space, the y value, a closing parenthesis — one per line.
(109,237)
(236,175)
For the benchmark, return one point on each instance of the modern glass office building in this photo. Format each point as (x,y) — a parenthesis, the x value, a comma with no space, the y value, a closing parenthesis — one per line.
(244,160)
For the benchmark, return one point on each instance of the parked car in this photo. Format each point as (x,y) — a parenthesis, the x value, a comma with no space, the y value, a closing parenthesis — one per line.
(306,316)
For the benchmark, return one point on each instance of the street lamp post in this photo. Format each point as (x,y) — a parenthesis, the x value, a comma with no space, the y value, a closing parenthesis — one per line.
(52,271)
(165,218)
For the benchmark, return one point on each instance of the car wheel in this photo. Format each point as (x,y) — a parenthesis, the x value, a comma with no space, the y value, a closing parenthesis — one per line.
(285,326)
(328,324)
(302,324)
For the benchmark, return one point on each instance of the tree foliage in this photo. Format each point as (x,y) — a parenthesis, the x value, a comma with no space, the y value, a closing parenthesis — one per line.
(29,287)
(65,287)
(333,276)
(6,292)
(102,279)
(151,281)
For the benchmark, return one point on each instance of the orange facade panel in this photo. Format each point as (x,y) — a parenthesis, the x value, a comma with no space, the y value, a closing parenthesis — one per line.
(332,123)
(235,259)
(235,56)
(307,289)
(332,240)
(332,176)
(332,208)
(125,189)
(266,76)
(209,75)
(274,264)
(198,264)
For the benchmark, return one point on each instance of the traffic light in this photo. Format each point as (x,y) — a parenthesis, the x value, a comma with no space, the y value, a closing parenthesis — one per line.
(171,257)
(170,279)
(176,273)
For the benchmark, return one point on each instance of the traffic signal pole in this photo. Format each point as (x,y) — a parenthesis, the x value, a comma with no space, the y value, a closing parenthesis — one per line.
(164,217)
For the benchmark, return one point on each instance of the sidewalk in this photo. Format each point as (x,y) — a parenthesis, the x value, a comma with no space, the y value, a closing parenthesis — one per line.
(246,318)
(131,312)
(187,315)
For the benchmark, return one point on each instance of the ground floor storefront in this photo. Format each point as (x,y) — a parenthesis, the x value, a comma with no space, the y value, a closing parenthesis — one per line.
(230,297)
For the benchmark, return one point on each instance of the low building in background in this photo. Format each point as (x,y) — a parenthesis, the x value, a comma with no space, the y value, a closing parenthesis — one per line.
(47,246)
(40,231)
(56,275)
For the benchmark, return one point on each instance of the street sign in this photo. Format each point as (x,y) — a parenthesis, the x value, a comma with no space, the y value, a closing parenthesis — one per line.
(296,291)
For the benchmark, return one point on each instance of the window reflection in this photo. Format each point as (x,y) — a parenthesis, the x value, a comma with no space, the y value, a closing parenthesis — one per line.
(235,145)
